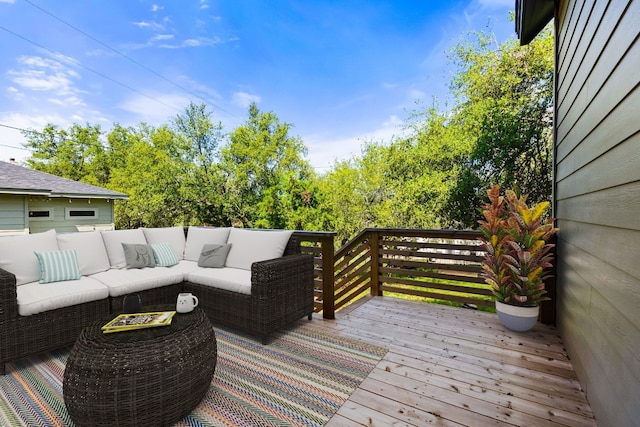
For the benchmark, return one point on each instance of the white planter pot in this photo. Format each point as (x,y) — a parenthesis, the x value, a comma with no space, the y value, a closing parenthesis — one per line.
(518,319)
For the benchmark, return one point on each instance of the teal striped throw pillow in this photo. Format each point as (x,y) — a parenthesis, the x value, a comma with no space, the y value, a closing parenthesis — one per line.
(164,255)
(56,266)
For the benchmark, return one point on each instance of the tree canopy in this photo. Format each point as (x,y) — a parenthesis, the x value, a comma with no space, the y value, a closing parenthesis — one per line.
(191,171)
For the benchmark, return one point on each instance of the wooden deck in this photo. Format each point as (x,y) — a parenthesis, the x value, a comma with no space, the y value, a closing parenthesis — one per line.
(450,366)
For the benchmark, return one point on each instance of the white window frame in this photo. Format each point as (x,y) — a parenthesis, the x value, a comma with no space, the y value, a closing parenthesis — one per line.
(41,218)
(68,216)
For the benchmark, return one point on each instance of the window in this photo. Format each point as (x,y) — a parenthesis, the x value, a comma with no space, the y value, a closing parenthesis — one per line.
(41,214)
(81,213)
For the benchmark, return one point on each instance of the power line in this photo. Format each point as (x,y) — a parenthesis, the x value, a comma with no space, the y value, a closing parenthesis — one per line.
(129,58)
(67,58)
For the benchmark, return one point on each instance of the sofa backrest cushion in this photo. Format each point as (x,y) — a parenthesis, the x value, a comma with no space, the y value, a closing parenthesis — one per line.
(90,250)
(113,240)
(172,235)
(249,246)
(17,254)
(197,237)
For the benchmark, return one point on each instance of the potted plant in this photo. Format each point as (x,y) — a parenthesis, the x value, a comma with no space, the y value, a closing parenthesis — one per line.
(517,256)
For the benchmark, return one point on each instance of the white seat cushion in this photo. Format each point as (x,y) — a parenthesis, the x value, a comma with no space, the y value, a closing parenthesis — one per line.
(90,251)
(113,240)
(249,246)
(17,254)
(123,281)
(231,279)
(34,297)
(199,236)
(172,235)
(185,267)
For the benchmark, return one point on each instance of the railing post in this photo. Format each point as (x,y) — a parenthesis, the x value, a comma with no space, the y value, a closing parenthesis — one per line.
(328,274)
(374,250)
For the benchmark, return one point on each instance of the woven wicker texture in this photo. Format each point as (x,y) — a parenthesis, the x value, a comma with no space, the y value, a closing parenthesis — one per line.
(281,293)
(150,377)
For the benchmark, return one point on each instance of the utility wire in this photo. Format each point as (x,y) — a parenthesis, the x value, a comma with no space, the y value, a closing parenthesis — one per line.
(67,58)
(129,58)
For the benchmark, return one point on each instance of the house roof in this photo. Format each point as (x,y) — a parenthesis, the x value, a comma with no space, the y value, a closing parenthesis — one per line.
(15,179)
(531,17)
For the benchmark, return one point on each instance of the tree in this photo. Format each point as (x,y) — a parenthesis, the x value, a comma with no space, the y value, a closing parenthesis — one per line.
(259,165)
(505,96)
(76,153)
(149,170)
(203,184)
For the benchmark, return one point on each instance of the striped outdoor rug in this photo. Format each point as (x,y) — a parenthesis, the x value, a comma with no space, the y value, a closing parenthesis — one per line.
(301,379)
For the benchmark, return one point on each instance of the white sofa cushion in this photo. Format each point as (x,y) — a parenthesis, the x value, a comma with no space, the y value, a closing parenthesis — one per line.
(90,251)
(113,240)
(34,298)
(185,267)
(231,279)
(198,236)
(17,254)
(122,282)
(58,266)
(172,235)
(249,246)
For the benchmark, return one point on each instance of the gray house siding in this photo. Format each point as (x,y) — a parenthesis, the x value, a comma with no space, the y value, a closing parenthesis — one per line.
(61,223)
(597,201)
(13,217)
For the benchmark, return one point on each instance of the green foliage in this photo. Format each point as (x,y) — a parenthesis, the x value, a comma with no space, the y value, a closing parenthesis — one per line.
(518,257)
(505,101)
(266,180)
(192,172)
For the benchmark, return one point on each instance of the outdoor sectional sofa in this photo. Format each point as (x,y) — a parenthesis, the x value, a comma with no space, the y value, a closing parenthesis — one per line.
(256,281)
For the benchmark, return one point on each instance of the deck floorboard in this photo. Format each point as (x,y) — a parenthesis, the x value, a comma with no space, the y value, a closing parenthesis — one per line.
(449,366)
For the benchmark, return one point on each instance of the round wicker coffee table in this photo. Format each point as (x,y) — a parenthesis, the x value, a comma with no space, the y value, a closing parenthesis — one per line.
(148,377)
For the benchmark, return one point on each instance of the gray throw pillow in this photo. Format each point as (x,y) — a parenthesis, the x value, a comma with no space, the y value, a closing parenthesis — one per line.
(213,255)
(138,255)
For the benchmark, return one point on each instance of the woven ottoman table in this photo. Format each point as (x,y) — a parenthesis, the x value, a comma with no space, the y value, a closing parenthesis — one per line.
(147,377)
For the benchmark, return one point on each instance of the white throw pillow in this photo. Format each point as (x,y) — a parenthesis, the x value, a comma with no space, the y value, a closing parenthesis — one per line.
(17,254)
(113,240)
(197,237)
(249,246)
(90,250)
(172,235)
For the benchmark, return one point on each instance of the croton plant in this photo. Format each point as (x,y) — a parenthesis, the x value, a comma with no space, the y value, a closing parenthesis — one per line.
(518,256)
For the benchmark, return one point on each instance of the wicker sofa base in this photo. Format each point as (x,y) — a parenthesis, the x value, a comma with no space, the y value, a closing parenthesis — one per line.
(281,292)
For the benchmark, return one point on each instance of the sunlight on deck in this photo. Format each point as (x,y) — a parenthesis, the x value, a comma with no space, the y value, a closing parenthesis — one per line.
(450,366)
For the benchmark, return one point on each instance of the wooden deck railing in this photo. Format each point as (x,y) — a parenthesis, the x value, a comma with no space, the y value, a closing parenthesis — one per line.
(443,265)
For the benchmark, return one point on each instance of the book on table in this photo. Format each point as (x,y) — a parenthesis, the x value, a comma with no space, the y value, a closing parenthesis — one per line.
(132,321)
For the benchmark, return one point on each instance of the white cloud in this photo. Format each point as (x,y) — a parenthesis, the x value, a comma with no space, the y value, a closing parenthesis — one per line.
(155,110)
(244,99)
(149,25)
(38,74)
(325,150)
(155,8)
(162,37)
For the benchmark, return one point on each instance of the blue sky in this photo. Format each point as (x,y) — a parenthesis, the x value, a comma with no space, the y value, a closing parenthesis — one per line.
(341,72)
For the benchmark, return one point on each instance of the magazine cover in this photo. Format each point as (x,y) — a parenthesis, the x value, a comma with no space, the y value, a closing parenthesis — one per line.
(130,321)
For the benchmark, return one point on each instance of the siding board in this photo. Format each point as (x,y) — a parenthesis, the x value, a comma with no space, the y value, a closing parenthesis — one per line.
(579,41)
(610,82)
(601,86)
(614,167)
(610,207)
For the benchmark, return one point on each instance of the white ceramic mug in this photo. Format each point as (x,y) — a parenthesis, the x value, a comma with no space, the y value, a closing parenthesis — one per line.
(186,302)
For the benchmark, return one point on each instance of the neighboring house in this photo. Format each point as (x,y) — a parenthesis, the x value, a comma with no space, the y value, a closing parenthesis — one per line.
(33,201)
(597,194)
